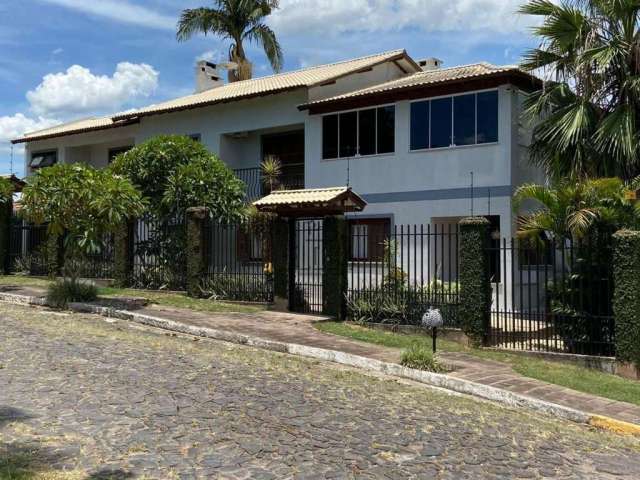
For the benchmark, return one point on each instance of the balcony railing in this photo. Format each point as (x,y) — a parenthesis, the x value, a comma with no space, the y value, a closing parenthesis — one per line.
(252,177)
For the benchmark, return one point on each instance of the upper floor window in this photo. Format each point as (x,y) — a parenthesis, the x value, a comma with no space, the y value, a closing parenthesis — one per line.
(114,152)
(467,119)
(43,159)
(362,132)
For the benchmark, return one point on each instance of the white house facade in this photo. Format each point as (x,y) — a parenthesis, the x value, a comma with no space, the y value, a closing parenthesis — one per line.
(410,137)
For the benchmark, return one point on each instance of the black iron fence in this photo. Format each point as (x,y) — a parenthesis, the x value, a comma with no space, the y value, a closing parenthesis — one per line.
(158,250)
(27,247)
(238,262)
(553,296)
(394,276)
(305,253)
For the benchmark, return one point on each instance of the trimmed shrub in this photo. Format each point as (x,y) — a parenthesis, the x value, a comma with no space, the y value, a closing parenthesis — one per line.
(420,357)
(626,299)
(61,292)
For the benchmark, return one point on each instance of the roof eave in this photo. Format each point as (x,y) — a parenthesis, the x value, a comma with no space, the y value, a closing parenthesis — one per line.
(119,124)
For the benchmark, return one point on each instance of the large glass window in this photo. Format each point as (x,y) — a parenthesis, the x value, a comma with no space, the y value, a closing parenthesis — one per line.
(43,159)
(451,121)
(464,120)
(368,237)
(488,117)
(364,132)
(441,122)
(419,125)
(330,136)
(386,129)
(367,132)
(348,129)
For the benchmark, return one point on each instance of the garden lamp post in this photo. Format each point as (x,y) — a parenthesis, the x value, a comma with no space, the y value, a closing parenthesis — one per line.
(432,319)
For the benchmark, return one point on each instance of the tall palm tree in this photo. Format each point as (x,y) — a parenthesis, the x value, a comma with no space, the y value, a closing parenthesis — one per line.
(235,20)
(590,102)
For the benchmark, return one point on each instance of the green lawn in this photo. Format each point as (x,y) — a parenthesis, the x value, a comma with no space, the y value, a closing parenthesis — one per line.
(565,374)
(169,299)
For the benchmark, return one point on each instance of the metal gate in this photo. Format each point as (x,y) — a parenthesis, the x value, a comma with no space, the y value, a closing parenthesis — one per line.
(159,253)
(553,296)
(27,247)
(305,255)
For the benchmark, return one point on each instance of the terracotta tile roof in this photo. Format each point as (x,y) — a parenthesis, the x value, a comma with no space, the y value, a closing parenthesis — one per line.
(476,70)
(70,128)
(309,197)
(307,77)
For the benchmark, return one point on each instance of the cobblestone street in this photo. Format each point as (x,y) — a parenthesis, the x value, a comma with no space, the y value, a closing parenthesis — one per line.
(91,399)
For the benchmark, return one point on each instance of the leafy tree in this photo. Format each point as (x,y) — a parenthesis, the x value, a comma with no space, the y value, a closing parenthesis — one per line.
(237,21)
(174,172)
(590,107)
(6,190)
(82,202)
(572,209)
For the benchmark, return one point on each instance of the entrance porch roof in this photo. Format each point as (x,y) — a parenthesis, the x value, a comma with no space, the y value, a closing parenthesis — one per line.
(311,202)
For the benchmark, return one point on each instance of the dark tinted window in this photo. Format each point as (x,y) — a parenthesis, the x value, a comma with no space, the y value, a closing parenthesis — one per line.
(386,129)
(330,136)
(114,152)
(43,159)
(419,125)
(348,134)
(367,130)
(488,117)
(441,122)
(464,120)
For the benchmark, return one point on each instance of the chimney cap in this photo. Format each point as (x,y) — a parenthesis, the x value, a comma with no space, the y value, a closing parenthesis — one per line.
(430,63)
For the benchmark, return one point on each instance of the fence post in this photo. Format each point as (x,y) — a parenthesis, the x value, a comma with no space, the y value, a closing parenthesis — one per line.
(54,255)
(196,217)
(122,254)
(475,286)
(626,301)
(280,259)
(6,210)
(335,266)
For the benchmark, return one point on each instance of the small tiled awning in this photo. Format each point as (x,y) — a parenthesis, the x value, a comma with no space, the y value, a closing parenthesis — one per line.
(311,202)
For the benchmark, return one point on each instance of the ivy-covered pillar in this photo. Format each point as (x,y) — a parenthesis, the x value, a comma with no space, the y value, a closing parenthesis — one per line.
(626,301)
(196,217)
(123,256)
(54,255)
(335,266)
(280,262)
(6,209)
(475,286)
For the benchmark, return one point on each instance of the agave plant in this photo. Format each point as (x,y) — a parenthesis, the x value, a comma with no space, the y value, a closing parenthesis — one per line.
(271,169)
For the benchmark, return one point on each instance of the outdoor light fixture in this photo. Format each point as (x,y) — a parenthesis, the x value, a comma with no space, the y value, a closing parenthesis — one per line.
(432,319)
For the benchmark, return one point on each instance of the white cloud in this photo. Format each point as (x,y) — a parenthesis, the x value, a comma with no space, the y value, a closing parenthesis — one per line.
(120,11)
(79,91)
(209,56)
(15,126)
(331,17)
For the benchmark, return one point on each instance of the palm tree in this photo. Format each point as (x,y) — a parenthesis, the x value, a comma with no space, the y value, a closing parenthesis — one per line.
(236,20)
(590,102)
(572,209)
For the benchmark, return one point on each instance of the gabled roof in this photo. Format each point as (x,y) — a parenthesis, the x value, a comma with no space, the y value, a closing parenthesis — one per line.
(427,78)
(306,77)
(272,84)
(316,201)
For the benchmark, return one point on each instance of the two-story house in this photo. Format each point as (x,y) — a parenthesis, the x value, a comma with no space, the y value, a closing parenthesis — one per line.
(409,136)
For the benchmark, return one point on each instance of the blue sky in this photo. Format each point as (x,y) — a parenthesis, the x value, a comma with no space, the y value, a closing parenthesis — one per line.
(66,59)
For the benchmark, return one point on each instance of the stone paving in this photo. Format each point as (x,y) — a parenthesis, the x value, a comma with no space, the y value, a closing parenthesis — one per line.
(100,399)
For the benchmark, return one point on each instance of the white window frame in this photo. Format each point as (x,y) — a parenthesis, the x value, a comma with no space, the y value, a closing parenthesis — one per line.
(357,155)
(451,137)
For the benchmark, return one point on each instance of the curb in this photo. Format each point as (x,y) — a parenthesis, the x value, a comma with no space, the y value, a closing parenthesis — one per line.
(439,380)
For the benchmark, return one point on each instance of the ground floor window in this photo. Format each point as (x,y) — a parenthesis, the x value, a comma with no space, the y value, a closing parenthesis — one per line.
(114,152)
(368,236)
(43,159)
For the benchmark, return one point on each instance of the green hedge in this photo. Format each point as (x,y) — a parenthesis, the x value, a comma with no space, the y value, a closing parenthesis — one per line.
(475,286)
(195,254)
(122,255)
(626,297)
(280,257)
(335,267)
(5,230)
